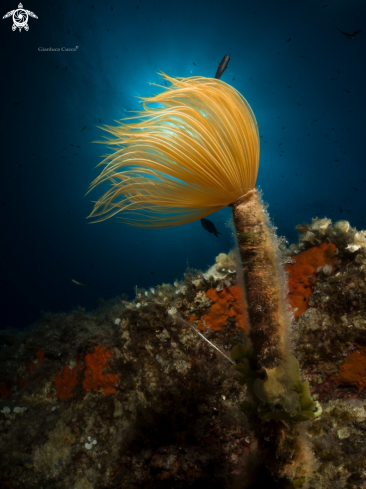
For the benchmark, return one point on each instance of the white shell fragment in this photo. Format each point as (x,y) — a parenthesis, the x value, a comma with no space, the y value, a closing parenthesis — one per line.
(327,269)
(352,248)
(89,446)
(5,410)
(117,321)
(138,305)
(18,410)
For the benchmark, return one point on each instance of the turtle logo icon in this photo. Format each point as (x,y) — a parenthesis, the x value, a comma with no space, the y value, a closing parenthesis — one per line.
(20,18)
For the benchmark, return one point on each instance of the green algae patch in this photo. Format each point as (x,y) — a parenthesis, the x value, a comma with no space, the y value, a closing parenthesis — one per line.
(278,392)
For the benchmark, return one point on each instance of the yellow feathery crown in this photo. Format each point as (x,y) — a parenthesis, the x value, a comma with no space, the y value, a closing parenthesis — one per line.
(191,154)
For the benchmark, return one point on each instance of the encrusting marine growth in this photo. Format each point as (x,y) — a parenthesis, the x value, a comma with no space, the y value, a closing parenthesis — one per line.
(195,151)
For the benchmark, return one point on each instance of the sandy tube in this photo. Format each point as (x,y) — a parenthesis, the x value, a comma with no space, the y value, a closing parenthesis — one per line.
(280,446)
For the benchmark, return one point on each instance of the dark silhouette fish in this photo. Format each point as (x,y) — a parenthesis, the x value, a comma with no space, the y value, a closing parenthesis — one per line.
(222,66)
(350,36)
(209,226)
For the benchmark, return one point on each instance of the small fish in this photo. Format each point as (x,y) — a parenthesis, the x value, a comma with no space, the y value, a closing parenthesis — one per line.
(15,103)
(338,72)
(340,209)
(100,121)
(83,128)
(278,53)
(301,56)
(65,69)
(350,36)
(222,66)
(289,39)
(288,86)
(233,79)
(78,283)
(209,226)
(346,91)
(194,63)
(296,174)
(323,6)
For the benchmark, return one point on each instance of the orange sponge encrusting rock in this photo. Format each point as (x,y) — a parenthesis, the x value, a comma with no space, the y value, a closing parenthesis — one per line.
(94,378)
(303,273)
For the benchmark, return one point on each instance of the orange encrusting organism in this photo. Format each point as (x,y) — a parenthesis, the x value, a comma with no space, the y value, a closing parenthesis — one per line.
(303,272)
(353,371)
(228,303)
(40,356)
(95,379)
(66,380)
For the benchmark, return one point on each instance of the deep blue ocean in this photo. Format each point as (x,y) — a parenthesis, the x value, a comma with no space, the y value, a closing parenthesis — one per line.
(82,63)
